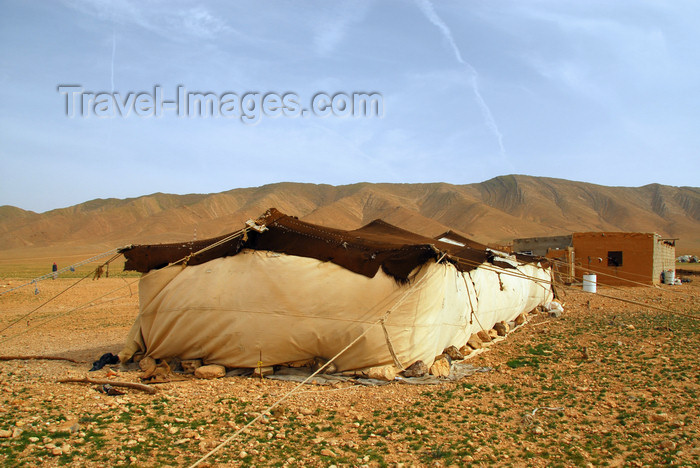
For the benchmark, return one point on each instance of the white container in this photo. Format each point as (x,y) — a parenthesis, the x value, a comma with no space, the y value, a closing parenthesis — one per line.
(589,283)
(669,276)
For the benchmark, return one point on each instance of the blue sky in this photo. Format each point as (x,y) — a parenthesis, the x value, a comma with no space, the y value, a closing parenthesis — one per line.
(598,91)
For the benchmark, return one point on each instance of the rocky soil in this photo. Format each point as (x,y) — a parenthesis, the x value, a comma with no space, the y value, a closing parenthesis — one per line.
(607,383)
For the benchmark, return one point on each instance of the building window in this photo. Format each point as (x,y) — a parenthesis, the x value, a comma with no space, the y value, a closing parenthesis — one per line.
(615,258)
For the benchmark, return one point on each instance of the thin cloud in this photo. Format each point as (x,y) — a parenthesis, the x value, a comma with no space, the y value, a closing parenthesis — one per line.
(199,22)
(332,28)
(174,23)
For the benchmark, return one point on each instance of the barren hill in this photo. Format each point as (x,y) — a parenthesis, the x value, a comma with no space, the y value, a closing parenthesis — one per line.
(496,210)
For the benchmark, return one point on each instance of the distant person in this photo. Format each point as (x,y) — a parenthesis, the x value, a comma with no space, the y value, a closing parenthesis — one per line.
(54,268)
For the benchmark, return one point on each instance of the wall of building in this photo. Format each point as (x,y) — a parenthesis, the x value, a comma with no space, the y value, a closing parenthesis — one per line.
(541,245)
(664,257)
(637,249)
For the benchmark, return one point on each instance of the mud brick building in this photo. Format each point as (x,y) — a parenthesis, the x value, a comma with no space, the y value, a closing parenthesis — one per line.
(618,258)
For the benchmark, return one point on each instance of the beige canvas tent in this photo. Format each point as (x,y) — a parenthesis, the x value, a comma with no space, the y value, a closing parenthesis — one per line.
(290,291)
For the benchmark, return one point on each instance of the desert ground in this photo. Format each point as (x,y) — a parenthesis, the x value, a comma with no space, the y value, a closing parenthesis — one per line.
(606,384)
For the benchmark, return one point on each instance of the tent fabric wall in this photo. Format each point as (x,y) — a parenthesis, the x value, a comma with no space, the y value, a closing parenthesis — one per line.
(231,310)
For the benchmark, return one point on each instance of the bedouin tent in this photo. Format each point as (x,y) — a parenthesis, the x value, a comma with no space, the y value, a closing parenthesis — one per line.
(290,291)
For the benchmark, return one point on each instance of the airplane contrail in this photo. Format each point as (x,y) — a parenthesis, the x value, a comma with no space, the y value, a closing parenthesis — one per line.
(427,8)
(114,50)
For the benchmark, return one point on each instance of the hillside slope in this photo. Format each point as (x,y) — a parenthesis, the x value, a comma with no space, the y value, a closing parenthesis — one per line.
(496,210)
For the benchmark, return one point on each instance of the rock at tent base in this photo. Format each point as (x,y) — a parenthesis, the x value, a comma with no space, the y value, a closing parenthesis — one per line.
(474,341)
(212,371)
(493,333)
(485,337)
(417,369)
(302,363)
(265,370)
(520,319)
(174,364)
(190,365)
(147,364)
(466,350)
(441,366)
(320,362)
(501,328)
(453,353)
(387,373)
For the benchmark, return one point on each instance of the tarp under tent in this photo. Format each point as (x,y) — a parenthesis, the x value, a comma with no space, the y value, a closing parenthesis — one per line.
(291,291)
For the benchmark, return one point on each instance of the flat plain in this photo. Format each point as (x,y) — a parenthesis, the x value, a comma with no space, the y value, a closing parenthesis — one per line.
(607,384)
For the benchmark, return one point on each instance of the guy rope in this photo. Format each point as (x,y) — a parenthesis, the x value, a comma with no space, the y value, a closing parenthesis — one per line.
(72,267)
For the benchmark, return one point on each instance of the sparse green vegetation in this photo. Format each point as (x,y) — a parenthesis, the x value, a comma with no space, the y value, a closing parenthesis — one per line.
(625,400)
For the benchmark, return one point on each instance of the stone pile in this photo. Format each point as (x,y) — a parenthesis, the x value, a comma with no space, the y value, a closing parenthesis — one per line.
(442,365)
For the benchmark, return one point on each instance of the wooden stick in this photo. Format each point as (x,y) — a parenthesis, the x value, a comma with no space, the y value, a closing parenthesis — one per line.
(114,383)
(27,358)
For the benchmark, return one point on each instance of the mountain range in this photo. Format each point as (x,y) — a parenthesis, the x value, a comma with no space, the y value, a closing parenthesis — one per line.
(495,211)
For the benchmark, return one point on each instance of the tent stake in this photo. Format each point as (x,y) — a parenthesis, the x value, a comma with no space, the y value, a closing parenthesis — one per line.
(260,366)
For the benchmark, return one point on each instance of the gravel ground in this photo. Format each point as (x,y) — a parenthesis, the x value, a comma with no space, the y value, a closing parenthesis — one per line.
(607,383)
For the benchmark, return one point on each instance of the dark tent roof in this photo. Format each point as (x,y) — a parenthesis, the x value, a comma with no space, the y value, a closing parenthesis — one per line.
(454,237)
(377,245)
